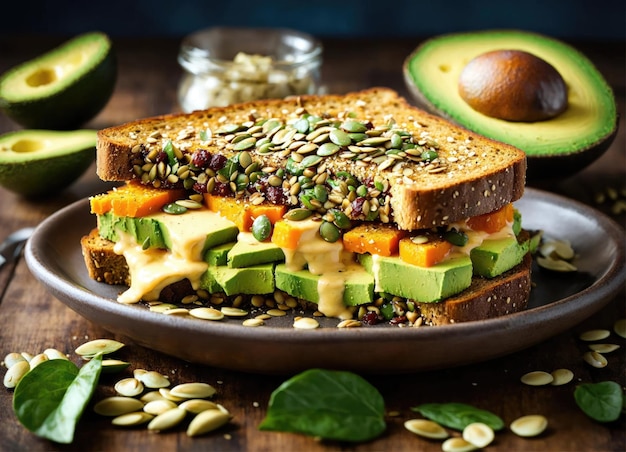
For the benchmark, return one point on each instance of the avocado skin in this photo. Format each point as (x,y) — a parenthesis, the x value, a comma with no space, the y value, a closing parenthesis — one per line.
(68,108)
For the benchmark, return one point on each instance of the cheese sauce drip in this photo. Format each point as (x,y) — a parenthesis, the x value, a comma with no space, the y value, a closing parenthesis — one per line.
(476,238)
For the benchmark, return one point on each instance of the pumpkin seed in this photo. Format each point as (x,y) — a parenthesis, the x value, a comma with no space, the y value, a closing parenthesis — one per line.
(117,405)
(558,265)
(244,144)
(561,377)
(162,307)
(353,126)
(53,353)
(158,406)
(339,137)
(298,214)
(328,149)
(193,390)
(27,356)
(176,311)
(261,228)
(253,322)
(310,160)
(196,406)
(13,358)
(129,387)
(426,428)
(594,335)
(113,365)
(301,125)
(537,378)
(329,232)
(233,312)
(206,313)
(528,426)
(305,323)
(15,373)
(620,328)
(559,249)
(174,209)
(189,204)
(132,419)
(603,348)
(478,434)
(151,396)
(153,380)
(276,313)
(457,444)
(37,359)
(207,421)
(167,395)
(167,420)
(595,359)
(105,346)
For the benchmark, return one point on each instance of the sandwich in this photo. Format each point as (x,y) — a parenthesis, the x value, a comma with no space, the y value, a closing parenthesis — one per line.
(356,206)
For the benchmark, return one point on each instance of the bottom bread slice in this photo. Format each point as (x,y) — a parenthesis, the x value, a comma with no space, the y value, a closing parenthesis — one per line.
(485,298)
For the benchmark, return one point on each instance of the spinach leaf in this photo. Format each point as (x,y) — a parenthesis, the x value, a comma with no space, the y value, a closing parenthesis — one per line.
(50,398)
(458,415)
(602,401)
(329,404)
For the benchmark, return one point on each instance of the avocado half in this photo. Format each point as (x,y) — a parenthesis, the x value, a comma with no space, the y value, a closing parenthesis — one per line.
(44,162)
(63,88)
(557,147)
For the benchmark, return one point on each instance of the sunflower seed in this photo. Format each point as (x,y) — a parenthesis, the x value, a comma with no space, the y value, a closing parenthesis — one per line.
(105,346)
(207,421)
(167,420)
(478,434)
(117,405)
(426,428)
(528,426)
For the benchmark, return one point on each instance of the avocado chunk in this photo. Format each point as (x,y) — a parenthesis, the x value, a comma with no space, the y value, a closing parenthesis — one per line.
(425,284)
(247,253)
(218,255)
(358,284)
(258,279)
(63,88)
(560,145)
(44,162)
(496,256)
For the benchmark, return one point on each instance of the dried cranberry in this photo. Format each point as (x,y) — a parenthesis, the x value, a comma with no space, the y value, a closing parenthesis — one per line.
(217,162)
(275,195)
(357,208)
(199,188)
(221,189)
(370,318)
(161,157)
(398,320)
(201,158)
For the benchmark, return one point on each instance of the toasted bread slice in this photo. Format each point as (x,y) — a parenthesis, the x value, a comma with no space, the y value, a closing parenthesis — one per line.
(485,298)
(472,175)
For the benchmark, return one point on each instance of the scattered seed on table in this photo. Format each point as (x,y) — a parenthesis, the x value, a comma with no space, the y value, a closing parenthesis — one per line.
(594,335)
(167,420)
(132,419)
(196,406)
(603,348)
(129,387)
(595,359)
(561,377)
(159,406)
(13,358)
(620,327)
(117,405)
(537,378)
(206,313)
(478,434)
(166,394)
(530,425)
(15,373)
(113,365)
(53,353)
(426,428)
(457,444)
(154,380)
(105,346)
(193,390)
(151,396)
(207,421)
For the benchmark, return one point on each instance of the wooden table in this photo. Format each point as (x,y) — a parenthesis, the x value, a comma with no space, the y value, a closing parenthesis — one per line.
(32,320)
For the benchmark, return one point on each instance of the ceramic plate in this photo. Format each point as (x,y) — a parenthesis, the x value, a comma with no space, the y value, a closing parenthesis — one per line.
(558,302)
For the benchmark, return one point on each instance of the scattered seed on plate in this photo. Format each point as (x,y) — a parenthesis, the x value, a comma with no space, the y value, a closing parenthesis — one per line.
(117,405)
(305,323)
(132,419)
(594,335)
(537,378)
(176,311)
(206,313)
(426,428)
(159,406)
(595,359)
(207,421)
(15,373)
(620,328)
(276,313)
(603,348)
(478,434)
(162,307)
(233,312)
(168,419)
(253,322)
(530,425)
(105,346)
(457,444)
(193,390)
(561,377)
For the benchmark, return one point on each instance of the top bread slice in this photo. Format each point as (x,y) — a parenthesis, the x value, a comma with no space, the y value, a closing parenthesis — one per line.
(472,174)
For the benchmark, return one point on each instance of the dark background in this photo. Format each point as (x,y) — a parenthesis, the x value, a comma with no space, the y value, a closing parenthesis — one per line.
(601,20)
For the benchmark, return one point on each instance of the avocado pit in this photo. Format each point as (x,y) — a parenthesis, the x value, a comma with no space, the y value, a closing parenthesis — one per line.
(513,85)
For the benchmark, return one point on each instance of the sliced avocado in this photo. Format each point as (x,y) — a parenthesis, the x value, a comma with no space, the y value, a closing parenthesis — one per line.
(555,147)
(249,253)
(43,162)
(63,88)
(425,284)
(218,255)
(359,285)
(248,280)
(496,256)
(209,283)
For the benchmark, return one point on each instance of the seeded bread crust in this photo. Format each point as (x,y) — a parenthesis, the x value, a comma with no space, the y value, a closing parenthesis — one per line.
(481,175)
(484,299)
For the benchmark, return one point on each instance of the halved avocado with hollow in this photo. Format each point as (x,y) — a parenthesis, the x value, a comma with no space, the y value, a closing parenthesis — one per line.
(559,140)
(44,162)
(63,88)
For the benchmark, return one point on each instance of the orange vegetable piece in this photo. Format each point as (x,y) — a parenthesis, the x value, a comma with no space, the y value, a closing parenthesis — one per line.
(287,234)
(492,222)
(133,200)
(241,213)
(378,239)
(424,254)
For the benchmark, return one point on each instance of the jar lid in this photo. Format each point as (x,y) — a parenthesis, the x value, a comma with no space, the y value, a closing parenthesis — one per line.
(207,49)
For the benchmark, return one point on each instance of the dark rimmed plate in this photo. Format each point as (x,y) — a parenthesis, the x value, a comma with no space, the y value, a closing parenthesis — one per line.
(558,302)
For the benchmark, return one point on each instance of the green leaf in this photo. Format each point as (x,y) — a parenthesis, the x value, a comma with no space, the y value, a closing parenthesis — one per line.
(458,415)
(50,399)
(602,401)
(329,404)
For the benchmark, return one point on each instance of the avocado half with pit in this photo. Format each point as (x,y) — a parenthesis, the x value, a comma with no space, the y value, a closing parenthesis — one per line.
(504,84)
(43,162)
(63,88)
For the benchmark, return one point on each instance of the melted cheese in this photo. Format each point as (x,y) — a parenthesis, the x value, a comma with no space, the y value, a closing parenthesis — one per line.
(476,238)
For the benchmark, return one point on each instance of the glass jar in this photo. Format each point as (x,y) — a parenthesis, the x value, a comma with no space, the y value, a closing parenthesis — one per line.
(224,65)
